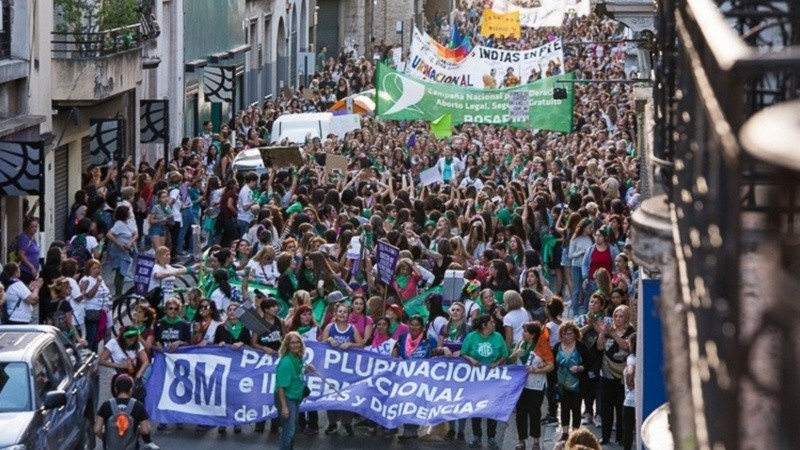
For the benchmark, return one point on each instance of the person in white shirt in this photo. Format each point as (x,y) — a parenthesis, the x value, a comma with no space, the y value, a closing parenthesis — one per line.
(515,318)
(263,268)
(449,166)
(69,269)
(629,402)
(245,202)
(20,298)
(97,303)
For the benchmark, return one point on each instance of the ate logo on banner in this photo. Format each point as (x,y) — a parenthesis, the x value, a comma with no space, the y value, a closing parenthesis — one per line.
(196,380)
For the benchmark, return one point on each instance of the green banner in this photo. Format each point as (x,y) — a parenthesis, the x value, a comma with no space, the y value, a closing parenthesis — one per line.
(400,97)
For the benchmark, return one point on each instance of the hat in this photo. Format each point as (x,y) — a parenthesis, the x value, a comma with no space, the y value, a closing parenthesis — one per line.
(334,297)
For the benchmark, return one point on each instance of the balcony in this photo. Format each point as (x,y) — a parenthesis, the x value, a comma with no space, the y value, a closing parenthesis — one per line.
(91,67)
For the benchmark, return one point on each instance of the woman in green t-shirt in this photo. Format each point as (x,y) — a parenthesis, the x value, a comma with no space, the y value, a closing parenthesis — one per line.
(484,346)
(289,385)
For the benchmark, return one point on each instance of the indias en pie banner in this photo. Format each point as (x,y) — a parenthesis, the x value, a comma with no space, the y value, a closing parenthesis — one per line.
(401,97)
(220,386)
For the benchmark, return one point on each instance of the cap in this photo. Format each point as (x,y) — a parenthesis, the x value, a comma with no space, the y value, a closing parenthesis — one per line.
(334,297)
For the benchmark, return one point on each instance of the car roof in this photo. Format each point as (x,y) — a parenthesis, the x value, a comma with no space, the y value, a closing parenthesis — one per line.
(17,342)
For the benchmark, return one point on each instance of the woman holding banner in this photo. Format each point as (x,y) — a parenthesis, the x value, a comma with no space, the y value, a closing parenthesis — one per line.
(451,339)
(290,386)
(534,352)
(484,346)
(235,334)
(415,344)
(342,335)
(303,323)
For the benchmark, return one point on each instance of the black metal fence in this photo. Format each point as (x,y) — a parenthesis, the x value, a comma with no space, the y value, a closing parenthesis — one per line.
(74,45)
(717,66)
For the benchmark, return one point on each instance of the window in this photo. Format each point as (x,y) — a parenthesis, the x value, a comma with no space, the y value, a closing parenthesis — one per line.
(58,371)
(14,387)
(5,29)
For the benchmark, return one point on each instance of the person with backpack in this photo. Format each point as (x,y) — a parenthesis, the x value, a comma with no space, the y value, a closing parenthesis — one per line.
(121,419)
(83,246)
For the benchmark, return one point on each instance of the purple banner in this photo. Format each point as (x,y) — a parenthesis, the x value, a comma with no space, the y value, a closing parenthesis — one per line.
(387,255)
(220,386)
(144,270)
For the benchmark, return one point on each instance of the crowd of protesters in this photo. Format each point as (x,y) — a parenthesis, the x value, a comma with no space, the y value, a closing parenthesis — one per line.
(537,224)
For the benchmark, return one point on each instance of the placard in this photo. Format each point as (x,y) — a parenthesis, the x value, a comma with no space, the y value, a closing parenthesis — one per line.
(519,104)
(430,176)
(144,271)
(278,157)
(387,255)
(336,163)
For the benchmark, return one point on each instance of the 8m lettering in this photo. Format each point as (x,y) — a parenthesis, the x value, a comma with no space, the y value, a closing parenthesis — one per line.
(188,383)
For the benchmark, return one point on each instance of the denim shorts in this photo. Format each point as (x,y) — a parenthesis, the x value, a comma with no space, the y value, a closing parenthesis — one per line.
(157,230)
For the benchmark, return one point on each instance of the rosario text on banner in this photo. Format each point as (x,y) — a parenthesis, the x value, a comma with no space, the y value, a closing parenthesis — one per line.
(401,97)
(426,64)
(220,386)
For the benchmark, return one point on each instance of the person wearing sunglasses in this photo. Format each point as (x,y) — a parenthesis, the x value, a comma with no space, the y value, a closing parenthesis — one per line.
(171,332)
(205,323)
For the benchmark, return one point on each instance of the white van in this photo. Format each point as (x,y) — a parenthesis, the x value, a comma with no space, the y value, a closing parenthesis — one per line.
(297,128)
(249,160)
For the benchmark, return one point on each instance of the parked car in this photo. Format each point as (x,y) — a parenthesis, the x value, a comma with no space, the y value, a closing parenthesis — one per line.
(48,390)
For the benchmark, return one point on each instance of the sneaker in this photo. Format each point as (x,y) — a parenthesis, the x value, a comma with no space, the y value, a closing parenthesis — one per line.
(237,429)
(161,427)
(493,444)
(331,430)
(520,446)
(348,429)
(536,445)
(475,442)
(151,446)
(460,437)
(221,430)
(451,435)
(587,420)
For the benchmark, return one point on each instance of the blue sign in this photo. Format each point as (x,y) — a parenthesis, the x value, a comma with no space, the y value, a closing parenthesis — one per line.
(144,270)
(219,386)
(387,256)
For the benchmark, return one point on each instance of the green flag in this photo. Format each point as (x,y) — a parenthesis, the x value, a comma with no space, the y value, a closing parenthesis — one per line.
(443,126)
(402,97)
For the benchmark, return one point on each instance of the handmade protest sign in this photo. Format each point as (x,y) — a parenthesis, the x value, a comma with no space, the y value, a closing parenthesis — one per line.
(500,24)
(219,386)
(387,255)
(401,97)
(519,105)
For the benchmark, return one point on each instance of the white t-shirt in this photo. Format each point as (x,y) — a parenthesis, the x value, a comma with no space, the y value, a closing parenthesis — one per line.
(221,300)
(267,274)
(167,284)
(553,327)
(244,203)
(78,306)
(118,355)
(131,218)
(515,319)
(100,299)
(211,331)
(630,394)
(535,381)
(91,243)
(16,295)
(175,195)
(470,307)
(435,327)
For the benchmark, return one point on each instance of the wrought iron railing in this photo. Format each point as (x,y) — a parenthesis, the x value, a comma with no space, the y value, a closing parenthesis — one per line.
(72,45)
(717,67)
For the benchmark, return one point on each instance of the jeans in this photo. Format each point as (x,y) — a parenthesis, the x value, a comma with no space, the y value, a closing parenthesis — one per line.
(187,219)
(577,294)
(529,414)
(289,425)
(462,425)
(611,407)
(244,227)
(91,334)
(491,427)
(628,426)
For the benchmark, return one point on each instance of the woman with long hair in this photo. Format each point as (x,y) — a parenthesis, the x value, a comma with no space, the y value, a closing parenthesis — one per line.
(476,240)
(406,279)
(579,243)
(533,280)
(50,272)
(484,346)
(126,355)
(342,335)
(232,332)
(516,316)
(499,280)
(613,342)
(533,351)
(61,315)
(122,248)
(289,386)
(599,256)
(451,338)
(437,316)
(414,344)
(303,323)
(382,342)
(225,293)
(144,319)
(288,282)
(263,267)
(359,318)
(316,275)
(205,324)
(98,304)
(160,217)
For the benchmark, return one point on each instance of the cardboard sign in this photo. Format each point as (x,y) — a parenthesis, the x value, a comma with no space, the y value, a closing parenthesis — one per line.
(336,163)
(277,157)
(430,176)
(519,105)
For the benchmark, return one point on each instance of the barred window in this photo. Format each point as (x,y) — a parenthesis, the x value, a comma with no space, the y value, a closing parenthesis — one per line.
(5,29)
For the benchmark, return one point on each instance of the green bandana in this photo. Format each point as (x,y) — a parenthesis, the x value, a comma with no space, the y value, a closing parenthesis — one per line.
(166,319)
(402,281)
(293,279)
(234,329)
(393,327)
(303,329)
(189,311)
